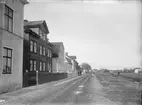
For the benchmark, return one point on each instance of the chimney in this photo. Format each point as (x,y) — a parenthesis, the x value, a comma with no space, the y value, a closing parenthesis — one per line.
(25,21)
(66,53)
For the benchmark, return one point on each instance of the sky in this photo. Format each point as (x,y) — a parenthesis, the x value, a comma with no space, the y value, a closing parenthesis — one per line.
(104,34)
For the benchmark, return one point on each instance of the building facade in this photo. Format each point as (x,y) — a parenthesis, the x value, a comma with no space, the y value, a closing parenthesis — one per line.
(11,44)
(68,63)
(37,51)
(71,65)
(58,61)
(74,63)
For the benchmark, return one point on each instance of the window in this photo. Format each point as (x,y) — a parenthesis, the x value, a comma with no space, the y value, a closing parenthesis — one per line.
(44,51)
(48,67)
(40,33)
(40,50)
(43,66)
(48,53)
(44,36)
(40,66)
(8,18)
(33,65)
(33,46)
(7,60)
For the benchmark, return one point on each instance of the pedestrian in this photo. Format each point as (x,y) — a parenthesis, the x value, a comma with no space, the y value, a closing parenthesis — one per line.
(118,73)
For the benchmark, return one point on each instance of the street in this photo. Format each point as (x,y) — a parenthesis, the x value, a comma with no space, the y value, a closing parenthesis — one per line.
(87,89)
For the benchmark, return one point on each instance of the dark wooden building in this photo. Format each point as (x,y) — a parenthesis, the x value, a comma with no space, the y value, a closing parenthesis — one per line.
(37,52)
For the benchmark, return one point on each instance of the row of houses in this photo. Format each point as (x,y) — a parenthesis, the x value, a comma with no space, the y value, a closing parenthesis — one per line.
(41,55)
(26,54)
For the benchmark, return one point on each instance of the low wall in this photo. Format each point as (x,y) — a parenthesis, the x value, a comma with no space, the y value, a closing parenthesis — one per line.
(48,77)
(71,75)
(30,78)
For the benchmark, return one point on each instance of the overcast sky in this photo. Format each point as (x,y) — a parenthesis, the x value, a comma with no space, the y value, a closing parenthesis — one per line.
(104,34)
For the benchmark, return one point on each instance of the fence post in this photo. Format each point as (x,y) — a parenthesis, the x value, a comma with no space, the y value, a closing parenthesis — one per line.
(36,77)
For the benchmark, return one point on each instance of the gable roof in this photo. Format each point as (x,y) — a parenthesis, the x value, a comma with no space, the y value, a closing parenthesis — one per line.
(68,59)
(34,24)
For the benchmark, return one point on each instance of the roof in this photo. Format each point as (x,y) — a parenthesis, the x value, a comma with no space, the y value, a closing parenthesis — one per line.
(28,30)
(50,44)
(34,24)
(73,57)
(57,43)
(75,61)
(56,48)
(68,59)
(24,1)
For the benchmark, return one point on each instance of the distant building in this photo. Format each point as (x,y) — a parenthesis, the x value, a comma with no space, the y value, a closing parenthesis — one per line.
(37,51)
(71,65)
(11,44)
(58,57)
(137,70)
(68,64)
(74,63)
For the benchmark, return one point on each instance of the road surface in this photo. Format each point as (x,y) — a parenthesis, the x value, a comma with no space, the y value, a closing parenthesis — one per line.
(84,90)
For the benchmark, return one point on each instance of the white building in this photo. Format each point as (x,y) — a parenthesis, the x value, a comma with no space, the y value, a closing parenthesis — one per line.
(58,62)
(11,44)
(138,70)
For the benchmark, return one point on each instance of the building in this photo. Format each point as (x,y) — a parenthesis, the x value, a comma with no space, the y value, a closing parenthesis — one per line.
(58,58)
(11,44)
(37,54)
(74,63)
(68,64)
(71,65)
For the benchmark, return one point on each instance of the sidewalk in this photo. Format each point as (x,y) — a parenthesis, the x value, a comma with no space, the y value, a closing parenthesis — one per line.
(32,91)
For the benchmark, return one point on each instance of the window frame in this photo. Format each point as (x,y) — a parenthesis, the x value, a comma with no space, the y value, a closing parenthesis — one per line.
(44,36)
(31,64)
(31,45)
(44,66)
(7,57)
(8,26)
(40,49)
(40,66)
(33,48)
(48,67)
(40,33)
(44,52)
(34,65)
(48,53)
